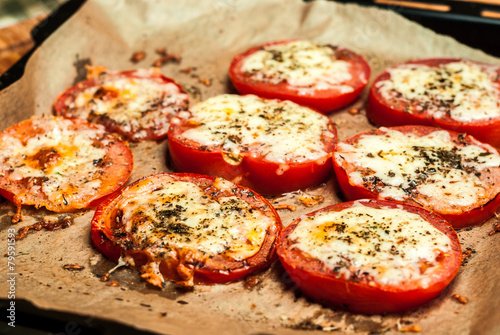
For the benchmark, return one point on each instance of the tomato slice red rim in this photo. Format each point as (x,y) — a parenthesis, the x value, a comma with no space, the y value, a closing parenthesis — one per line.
(137,104)
(187,228)
(370,256)
(322,77)
(455,94)
(270,146)
(61,164)
(452,174)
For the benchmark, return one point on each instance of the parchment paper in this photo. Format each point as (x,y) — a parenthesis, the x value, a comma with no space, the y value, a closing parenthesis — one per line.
(207,34)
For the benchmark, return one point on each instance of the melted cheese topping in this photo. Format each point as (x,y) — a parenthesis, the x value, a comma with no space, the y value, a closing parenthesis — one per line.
(64,161)
(180,215)
(303,64)
(431,169)
(463,90)
(279,131)
(388,246)
(134,102)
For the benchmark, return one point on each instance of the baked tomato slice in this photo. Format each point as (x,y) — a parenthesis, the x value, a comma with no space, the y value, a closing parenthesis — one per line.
(370,256)
(61,164)
(137,104)
(270,146)
(187,228)
(452,174)
(455,94)
(322,77)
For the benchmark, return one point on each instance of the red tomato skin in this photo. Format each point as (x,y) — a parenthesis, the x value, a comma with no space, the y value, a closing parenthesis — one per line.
(155,134)
(324,101)
(320,283)
(462,220)
(264,177)
(218,270)
(100,233)
(386,113)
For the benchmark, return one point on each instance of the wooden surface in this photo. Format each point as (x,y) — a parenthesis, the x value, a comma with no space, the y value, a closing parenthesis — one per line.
(15,41)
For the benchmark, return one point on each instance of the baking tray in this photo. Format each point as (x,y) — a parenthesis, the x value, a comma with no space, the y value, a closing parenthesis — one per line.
(474,23)
(456,10)
(32,315)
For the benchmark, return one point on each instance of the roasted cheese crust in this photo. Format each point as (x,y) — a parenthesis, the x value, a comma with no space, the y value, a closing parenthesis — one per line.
(370,256)
(277,131)
(137,104)
(184,224)
(179,214)
(437,170)
(61,164)
(462,90)
(304,65)
(385,246)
